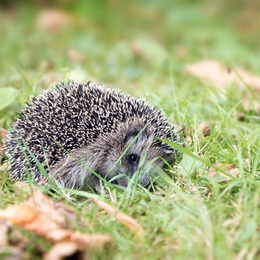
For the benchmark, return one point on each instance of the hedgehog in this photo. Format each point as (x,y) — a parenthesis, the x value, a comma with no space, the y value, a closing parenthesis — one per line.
(83,134)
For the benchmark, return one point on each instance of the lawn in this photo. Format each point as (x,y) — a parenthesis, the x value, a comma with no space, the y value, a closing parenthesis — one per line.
(208,205)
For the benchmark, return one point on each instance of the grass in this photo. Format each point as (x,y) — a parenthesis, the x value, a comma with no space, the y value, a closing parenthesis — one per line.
(142,47)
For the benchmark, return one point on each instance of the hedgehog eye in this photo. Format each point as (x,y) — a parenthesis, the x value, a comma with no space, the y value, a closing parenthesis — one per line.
(133,158)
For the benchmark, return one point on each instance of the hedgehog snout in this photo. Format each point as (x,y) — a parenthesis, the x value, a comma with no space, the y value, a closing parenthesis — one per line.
(135,166)
(138,161)
(145,180)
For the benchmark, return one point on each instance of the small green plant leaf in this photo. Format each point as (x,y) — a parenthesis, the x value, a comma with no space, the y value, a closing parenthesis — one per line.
(7,96)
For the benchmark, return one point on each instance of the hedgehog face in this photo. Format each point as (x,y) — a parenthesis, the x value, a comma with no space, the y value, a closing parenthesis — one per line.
(131,154)
(131,151)
(134,151)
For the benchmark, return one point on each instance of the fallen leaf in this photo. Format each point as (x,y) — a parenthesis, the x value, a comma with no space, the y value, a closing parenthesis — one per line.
(53,20)
(61,250)
(126,220)
(55,211)
(251,104)
(224,171)
(26,216)
(222,76)
(249,79)
(42,215)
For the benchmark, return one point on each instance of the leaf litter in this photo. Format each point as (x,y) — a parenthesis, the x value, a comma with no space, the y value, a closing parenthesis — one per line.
(126,220)
(226,172)
(53,20)
(221,77)
(48,218)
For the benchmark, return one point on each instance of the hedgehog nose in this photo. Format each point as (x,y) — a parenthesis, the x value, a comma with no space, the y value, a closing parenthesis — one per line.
(145,180)
(122,181)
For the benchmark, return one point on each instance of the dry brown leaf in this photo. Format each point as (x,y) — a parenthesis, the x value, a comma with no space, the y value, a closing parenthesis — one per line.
(55,211)
(61,250)
(249,79)
(126,220)
(42,215)
(226,168)
(53,20)
(249,104)
(221,76)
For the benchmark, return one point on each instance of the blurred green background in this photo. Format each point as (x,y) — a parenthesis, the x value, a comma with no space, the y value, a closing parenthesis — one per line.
(139,46)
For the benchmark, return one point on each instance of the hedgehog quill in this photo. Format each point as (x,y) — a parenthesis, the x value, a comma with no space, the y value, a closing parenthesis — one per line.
(78,131)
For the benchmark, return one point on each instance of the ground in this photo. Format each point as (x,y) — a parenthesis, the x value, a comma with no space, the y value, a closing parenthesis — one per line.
(207,206)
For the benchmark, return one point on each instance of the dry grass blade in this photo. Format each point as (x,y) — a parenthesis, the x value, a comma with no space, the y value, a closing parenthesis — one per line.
(126,220)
